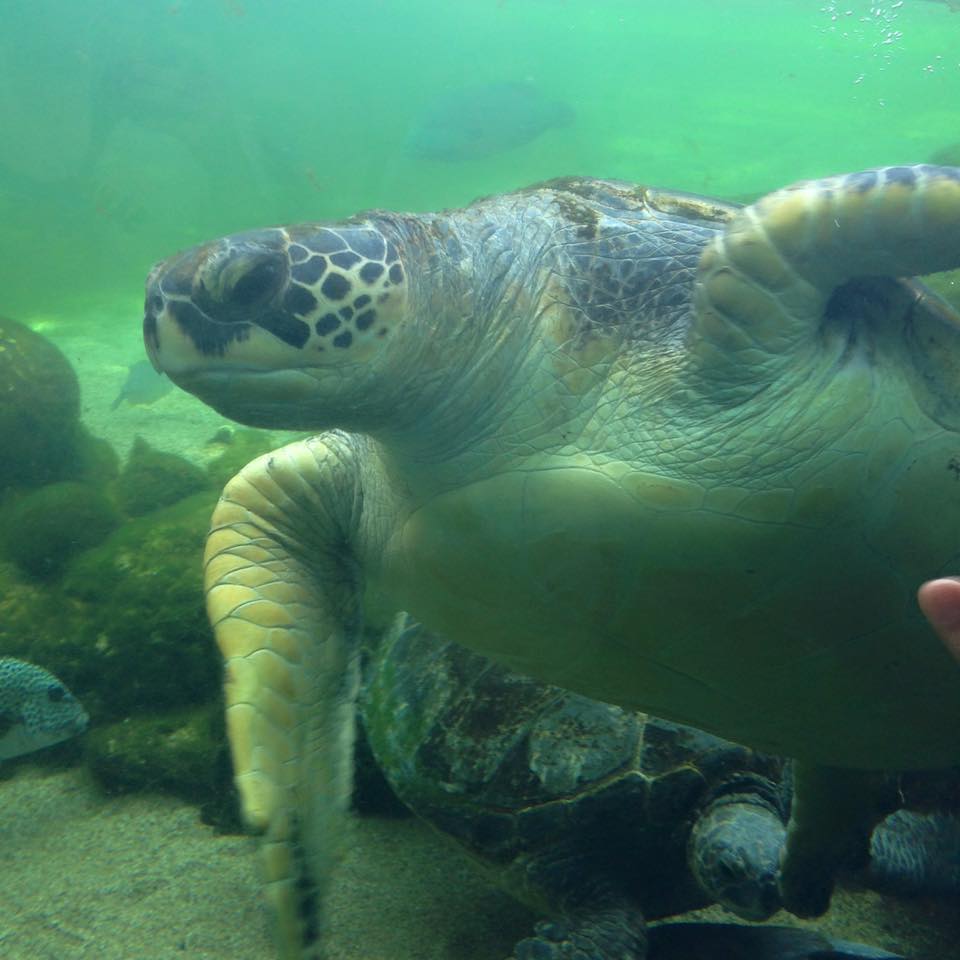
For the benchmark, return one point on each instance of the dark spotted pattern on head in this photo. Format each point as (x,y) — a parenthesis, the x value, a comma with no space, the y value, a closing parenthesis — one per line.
(310,271)
(370,272)
(939,173)
(211,339)
(335,287)
(903,175)
(327,324)
(344,283)
(310,286)
(287,328)
(299,300)
(863,181)
(345,260)
(365,320)
(368,243)
(326,241)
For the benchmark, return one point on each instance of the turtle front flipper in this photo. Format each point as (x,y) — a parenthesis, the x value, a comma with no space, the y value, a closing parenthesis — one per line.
(832,814)
(598,932)
(764,283)
(279,591)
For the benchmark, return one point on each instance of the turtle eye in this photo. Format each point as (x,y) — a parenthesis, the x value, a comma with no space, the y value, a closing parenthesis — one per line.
(255,285)
(56,693)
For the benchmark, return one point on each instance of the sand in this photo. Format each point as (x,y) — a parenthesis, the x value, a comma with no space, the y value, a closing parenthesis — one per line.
(84,875)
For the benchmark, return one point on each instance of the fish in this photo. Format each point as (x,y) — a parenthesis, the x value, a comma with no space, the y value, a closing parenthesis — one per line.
(143,385)
(482,120)
(36,709)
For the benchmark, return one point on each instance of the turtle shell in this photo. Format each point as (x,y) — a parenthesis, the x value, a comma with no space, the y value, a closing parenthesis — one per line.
(515,770)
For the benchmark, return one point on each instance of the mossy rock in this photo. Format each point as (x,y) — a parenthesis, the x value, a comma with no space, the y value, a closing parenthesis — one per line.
(44,528)
(183,752)
(152,479)
(125,626)
(97,461)
(145,633)
(239,448)
(38,623)
(39,409)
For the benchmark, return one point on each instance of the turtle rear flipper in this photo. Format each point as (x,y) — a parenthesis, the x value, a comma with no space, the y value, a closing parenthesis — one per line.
(913,854)
(611,932)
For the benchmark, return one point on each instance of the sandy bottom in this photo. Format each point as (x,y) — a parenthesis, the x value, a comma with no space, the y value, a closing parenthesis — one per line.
(140,878)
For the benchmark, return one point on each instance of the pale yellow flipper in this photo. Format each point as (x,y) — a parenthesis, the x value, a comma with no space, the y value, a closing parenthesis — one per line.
(284,619)
(763,283)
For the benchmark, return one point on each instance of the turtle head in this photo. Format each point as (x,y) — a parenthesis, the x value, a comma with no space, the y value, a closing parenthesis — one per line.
(735,844)
(289,326)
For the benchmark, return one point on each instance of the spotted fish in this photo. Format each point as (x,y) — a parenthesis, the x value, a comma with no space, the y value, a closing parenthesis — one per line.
(485,119)
(36,709)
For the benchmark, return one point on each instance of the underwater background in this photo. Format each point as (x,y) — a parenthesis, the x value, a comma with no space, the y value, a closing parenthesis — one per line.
(129,130)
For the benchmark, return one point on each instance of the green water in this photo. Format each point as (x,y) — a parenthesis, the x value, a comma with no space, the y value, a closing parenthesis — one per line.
(131,129)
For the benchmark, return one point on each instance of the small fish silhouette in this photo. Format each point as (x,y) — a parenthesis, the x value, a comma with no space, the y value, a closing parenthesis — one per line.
(485,119)
(143,385)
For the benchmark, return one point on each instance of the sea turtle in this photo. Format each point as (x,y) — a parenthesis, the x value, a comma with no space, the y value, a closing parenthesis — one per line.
(597,817)
(584,811)
(669,453)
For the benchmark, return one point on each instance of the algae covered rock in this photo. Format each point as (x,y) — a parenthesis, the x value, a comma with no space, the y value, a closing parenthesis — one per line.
(39,408)
(125,626)
(147,641)
(125,629)
(44,528)
(153,478)
(239,447)
(183,752)
(97,461)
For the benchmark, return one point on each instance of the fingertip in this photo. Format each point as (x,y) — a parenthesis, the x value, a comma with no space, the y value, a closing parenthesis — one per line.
(940,602)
